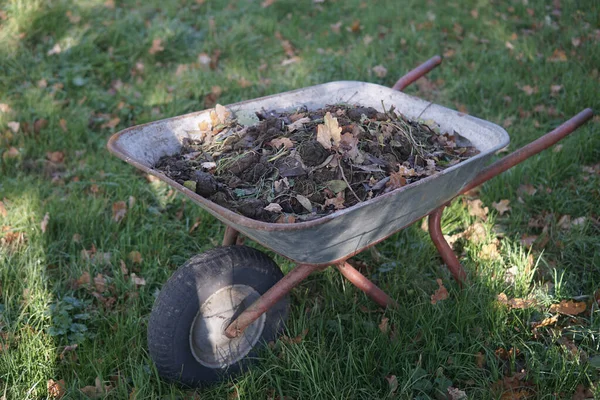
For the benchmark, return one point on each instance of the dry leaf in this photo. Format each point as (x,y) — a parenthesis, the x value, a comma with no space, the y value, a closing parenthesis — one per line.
(222,113)
(100,283)
(582,393)
(137,280)
(545,322)
(501,206)
(456,394)
(109,4)
(383,326)
(56,389)
(294,340)
(84,279)
(14,126)
(12,152)
(397,180)
(554,89)
(337,201)
(111,124)
(44,223)
(63,125)
(135,257)
(528,240)
(273,207)
(329,132)
(156,46)
(196,224)
(123,267)
(480,359)
(529,90)
(392,383)
(568,307)
(267,3)
(565,222)
(57,157)
(304,202)
(558,56)
(380,71)
(528,189)
(3,211)
(476,209)
(119,209)
(349,145)
(282,141)
(440,294)
(490,252)
(298,124)
(516,303)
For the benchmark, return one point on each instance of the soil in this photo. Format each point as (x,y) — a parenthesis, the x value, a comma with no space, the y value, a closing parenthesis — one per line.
(302,165)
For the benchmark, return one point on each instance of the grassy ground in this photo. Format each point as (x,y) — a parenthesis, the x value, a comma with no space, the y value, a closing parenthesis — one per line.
(73,72)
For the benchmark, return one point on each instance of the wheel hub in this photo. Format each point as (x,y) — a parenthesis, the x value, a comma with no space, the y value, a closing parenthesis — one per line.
(208,342)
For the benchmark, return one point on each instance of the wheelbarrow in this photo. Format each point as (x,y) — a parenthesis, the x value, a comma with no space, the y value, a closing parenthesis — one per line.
(217,310)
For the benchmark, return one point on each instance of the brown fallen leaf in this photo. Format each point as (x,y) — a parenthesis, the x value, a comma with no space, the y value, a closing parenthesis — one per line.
(476,209)
(527,189)
(100,283)
(501,206)
(515,303)
(392,383)
(3,211)
(440,294)
(14,126)
(11,153)
(267,3)
(568,307)
(294,340)
(63,125)
(456,394)
(558,56)
(67,349)
(123,268)
(111,124)
(529,90)
(380,71)
(282,141)
(545,322)
(56,389)
(528,240)
(273,207)
(329,132)
(137,280)
(337,201)
(119,209)
(84,279)
(135,257)
(383,326)
(156,47)
(44,223)
(582,393)
(196,225)
(480,360)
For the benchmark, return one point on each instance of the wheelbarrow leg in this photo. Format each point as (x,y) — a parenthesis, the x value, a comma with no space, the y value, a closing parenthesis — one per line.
(364,284)
(446,252)
(230,237)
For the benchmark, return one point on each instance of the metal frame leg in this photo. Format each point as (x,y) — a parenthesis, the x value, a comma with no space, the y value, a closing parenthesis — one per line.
(446,252)
(230,237)
(364,284)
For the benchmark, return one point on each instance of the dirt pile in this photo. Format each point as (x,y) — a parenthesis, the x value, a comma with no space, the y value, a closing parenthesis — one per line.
(301,165)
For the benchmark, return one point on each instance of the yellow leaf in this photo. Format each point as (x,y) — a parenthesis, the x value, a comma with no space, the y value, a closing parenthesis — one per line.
(329,132)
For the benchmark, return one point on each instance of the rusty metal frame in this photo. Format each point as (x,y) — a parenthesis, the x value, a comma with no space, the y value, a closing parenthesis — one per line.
(302,271)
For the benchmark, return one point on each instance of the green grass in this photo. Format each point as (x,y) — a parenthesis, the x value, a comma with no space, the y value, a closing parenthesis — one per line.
(98,76)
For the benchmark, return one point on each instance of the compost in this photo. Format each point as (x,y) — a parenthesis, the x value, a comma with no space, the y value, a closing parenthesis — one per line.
(301,165)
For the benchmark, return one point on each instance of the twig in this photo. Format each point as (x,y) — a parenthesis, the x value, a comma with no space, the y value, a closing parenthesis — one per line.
(347,183)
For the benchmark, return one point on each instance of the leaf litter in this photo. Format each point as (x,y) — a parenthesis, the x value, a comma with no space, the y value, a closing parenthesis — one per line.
(304,164)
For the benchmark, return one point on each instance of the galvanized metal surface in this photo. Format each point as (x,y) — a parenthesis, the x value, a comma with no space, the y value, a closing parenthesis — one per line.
(338,235)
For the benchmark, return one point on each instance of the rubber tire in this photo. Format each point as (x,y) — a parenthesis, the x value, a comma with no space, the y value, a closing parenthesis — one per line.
(180,299)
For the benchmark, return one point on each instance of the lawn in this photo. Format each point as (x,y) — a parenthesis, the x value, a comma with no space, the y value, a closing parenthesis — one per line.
(86,241)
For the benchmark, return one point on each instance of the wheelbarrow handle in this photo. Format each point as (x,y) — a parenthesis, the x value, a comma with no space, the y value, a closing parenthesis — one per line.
(533,148)
(416,73)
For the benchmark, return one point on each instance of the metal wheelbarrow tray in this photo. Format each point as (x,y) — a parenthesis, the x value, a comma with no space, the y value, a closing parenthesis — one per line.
(334,236)
(312,245)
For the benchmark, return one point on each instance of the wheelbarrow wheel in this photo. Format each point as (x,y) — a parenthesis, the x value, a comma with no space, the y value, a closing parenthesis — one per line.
(186,328)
